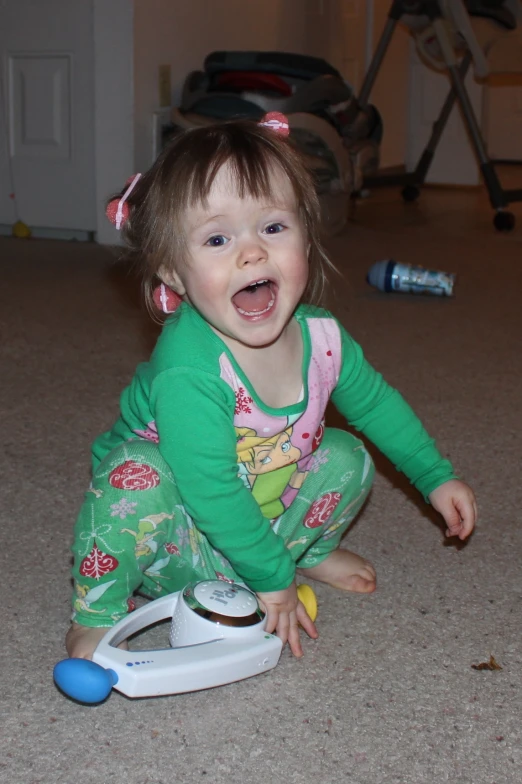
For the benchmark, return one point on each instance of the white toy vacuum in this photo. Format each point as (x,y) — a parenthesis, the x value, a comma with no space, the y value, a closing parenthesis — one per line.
(217,636)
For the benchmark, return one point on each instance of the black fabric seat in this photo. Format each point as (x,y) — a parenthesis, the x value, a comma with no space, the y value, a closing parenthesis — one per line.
(494,10)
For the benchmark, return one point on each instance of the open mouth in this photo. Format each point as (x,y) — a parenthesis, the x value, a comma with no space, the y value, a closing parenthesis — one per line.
(256,299)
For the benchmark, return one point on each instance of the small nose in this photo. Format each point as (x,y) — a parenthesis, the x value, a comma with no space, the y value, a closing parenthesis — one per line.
(252,252)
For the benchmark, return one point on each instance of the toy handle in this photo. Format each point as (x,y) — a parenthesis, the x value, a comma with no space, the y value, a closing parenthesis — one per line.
(84,680)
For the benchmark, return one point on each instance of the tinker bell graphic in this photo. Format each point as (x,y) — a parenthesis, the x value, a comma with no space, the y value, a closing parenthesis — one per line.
(154,570)
(144,536)
(85,596)
(268,466)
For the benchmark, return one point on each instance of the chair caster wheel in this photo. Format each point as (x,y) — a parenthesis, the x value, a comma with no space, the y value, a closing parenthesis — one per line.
(504,221)
(410,193)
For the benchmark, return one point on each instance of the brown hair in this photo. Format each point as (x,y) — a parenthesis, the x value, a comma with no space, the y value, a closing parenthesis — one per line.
(182,177)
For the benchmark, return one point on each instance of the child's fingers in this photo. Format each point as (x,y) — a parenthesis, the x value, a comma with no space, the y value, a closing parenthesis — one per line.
(288,632)
(294,640)
(306,622)
(283,627)
(283,617)
(278,623)
(272,619)
(468,513)
(286,627)
(456,502)
(462,517)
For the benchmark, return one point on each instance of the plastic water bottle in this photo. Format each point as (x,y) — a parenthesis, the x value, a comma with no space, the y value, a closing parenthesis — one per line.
(390,275)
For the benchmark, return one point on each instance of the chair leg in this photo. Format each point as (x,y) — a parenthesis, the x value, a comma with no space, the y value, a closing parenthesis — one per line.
(413,180)
(396,12)
(497,196)
(377,60)
(424,163)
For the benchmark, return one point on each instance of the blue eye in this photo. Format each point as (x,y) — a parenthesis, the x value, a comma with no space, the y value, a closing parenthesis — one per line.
(274,228)
(216,241)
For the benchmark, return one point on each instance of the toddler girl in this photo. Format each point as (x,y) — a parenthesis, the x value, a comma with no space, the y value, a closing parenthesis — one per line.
(220,465)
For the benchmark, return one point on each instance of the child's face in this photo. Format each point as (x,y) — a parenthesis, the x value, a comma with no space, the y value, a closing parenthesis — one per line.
(247,263)
(271,456)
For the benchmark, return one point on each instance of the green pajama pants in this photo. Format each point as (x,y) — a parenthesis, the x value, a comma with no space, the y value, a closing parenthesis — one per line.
(133,533)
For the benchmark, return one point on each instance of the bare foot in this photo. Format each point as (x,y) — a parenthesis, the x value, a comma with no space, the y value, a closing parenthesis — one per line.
(81,641)
(344,570)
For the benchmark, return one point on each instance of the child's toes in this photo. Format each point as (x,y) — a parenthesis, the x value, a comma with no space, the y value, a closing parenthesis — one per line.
(361,583)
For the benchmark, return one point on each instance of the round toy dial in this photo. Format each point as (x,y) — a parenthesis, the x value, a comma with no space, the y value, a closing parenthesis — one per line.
(223,600)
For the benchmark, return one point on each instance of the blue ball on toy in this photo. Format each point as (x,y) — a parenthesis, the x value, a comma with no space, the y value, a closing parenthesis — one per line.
(83,680)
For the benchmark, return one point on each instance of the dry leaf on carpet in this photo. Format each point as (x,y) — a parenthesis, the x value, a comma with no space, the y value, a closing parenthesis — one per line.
(492,664)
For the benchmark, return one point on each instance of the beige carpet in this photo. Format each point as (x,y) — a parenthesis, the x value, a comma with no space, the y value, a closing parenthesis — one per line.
(388,694)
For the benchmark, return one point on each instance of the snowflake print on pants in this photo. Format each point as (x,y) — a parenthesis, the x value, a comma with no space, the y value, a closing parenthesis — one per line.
(123,508)
(319,458)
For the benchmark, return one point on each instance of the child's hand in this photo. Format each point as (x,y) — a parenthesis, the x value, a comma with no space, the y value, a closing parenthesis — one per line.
(456,502)
(284,614)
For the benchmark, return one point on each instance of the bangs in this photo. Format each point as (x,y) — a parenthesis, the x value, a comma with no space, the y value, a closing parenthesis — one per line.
(250,162)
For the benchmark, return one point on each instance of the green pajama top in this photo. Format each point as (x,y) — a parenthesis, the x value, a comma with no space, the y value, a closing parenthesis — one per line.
(238,463)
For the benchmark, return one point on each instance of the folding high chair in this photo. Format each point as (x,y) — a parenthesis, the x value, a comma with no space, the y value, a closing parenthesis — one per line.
(451,35)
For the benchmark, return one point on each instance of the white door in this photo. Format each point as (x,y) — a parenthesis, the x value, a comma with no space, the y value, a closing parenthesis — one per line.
(47,113)
(503,117)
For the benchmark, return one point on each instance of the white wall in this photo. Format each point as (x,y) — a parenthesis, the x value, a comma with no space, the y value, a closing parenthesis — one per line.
(182,33)
(503,116)
(336,31)
(114,105)
(391,93)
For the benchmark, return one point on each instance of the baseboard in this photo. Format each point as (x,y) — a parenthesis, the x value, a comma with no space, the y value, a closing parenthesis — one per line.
(42,233)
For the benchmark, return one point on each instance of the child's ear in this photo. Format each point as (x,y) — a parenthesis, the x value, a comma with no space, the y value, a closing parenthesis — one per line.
(171,279)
